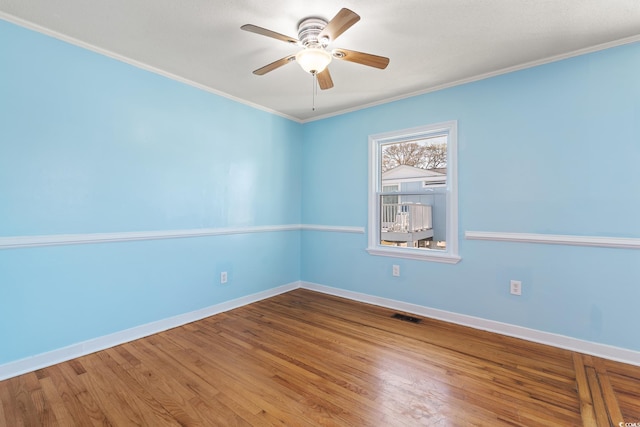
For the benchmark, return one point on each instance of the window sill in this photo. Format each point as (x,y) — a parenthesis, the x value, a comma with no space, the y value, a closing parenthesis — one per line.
(421,255)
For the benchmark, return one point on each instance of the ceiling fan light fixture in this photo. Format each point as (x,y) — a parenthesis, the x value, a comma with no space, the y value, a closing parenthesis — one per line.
(313,60)
(314,36)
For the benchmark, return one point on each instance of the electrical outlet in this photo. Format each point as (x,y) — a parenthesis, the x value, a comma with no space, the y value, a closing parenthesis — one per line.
(396,270)
(223,277)
(516,287)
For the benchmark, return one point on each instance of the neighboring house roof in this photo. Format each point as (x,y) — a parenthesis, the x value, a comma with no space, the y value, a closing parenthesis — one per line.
(411,173)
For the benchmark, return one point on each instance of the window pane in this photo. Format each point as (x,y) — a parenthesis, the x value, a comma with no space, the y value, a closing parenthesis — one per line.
(426,154)
(412,224)
(417,170)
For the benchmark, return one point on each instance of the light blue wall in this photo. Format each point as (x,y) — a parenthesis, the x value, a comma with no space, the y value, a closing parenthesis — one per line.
(92,145)
(552,149)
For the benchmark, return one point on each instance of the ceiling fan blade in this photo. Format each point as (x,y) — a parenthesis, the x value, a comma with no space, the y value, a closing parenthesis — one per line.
(324,79)
(275,64)
(268,33)
(339,24)
(368,59)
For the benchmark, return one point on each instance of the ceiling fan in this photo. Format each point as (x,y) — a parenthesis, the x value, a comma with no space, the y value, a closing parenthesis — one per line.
(315,35)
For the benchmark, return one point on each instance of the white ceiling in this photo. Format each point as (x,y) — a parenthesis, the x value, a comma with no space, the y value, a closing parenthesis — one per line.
(431,43)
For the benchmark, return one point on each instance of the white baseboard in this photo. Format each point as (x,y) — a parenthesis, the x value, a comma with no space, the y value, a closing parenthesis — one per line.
(43,360)
(555,340)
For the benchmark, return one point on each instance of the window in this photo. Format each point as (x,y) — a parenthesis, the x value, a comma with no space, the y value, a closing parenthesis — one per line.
(413,197)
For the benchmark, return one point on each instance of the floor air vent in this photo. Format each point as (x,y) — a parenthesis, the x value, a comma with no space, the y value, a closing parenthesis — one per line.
(406,318)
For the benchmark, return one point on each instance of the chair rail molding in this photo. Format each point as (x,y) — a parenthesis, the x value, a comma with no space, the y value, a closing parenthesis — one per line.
(128,236)
(333,228)
(14,242)
(555,239)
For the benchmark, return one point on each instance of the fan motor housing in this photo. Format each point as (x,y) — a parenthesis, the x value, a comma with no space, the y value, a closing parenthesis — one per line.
(308,31)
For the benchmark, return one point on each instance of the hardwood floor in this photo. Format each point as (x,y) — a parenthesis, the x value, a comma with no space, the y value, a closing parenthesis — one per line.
(306,359)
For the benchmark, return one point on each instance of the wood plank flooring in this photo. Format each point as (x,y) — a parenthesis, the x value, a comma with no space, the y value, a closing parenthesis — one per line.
(309,359)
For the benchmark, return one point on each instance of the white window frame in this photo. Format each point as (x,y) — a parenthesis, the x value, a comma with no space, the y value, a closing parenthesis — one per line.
(450,255)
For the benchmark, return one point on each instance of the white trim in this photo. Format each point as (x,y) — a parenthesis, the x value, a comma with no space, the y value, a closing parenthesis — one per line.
(31,26)
(556,340)
(128,236)
(420,255)
(71,40)
(555,239)
(13,242)
(507,70)
(450,255)
(30,364)
(60,355)
(333,228)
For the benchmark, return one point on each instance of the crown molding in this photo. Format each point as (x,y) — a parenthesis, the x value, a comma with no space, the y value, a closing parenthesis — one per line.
(484,76)
(32,26)
(71,40)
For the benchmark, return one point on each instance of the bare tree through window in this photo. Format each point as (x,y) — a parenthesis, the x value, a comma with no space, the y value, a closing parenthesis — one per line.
(424,154)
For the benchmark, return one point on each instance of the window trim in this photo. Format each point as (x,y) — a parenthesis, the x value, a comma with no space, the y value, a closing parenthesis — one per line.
(450,255)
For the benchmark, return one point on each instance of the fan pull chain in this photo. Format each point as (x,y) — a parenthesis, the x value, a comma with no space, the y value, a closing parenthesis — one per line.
(314,80)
